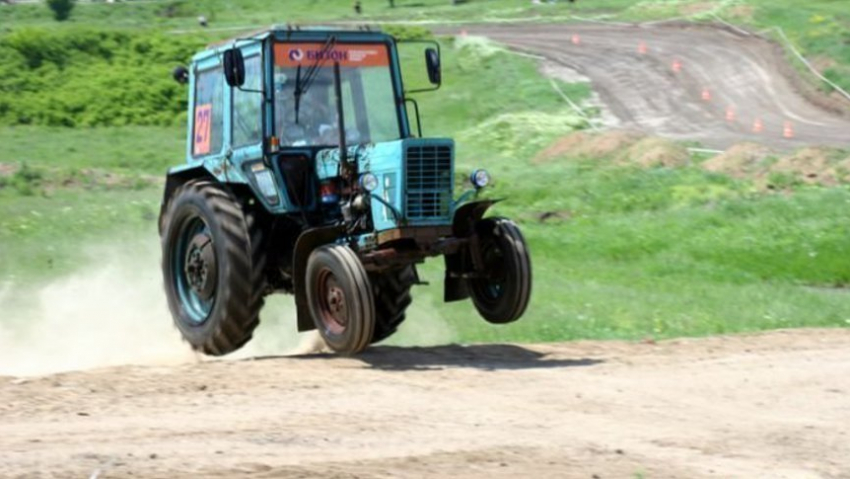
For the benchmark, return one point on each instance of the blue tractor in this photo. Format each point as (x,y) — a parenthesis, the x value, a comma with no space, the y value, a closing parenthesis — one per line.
(304,175)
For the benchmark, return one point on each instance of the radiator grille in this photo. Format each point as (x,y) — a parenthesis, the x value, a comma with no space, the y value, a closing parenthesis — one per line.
(429,182)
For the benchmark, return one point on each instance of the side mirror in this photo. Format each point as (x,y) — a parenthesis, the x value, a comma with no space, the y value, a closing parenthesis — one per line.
(180,75)
(432,61)
(234,67)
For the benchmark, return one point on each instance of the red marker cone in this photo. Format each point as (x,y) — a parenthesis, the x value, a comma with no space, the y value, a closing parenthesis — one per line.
(730,114)
(576,39)
(758,126)
(788,130)
(677,66)
(706,94)
(642,48)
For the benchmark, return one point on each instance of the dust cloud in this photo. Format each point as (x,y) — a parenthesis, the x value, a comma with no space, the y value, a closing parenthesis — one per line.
(109,313)
(114,312)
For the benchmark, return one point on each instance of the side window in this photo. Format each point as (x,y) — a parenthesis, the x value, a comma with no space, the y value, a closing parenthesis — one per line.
(247,106)
(209,112)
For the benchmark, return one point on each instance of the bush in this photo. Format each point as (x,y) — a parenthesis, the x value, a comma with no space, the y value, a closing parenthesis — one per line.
(85,77)
(61,8)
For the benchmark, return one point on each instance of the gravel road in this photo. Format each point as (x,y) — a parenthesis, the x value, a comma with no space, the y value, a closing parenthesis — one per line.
(688,82)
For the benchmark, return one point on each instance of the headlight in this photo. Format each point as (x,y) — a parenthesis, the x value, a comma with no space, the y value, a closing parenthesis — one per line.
(369,182)
(265,182)
(480,178)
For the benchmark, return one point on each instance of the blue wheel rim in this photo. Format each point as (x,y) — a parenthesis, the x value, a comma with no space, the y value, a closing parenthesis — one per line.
(197,309)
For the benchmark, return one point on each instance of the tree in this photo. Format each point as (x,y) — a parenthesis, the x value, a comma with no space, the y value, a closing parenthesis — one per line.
(61,8)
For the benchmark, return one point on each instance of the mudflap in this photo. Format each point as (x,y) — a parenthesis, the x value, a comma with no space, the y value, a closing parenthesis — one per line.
(461,263)
(306,243)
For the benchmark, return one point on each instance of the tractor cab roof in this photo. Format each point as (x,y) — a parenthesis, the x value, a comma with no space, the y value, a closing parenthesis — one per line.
(309,33)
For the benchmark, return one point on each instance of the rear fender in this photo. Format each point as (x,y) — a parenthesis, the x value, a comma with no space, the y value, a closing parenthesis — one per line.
(306,243)
(176,178)
(457,264)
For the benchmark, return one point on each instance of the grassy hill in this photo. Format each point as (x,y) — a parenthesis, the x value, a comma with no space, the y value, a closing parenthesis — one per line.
(625,244)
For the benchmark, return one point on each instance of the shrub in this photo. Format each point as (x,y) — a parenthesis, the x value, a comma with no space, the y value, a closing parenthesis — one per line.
(61,8)
(86,77)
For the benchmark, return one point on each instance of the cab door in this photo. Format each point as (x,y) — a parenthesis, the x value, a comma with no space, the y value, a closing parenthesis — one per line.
(209,106)
(245,133)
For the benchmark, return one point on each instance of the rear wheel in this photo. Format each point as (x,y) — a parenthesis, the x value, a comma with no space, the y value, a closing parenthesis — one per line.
(392,297)
(339,294)
(502,294)
(212,264)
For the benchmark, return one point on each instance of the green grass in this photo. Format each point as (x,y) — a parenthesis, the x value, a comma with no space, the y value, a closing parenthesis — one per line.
(629,252)
(124,150)
(41,235)
(635,259)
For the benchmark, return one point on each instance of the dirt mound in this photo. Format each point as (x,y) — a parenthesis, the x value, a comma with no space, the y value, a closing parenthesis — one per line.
(743,160)
(583,144)
(814,165)
(620,147)
(652,152)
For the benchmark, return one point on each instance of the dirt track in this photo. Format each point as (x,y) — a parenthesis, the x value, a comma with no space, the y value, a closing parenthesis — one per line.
(746,74)
(772,405)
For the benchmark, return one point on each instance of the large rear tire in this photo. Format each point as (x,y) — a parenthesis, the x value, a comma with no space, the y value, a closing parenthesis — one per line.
(340,298)
(502,294)
(212,264)
(392,297)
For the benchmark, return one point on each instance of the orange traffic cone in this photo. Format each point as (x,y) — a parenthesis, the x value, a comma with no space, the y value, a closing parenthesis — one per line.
(730,114)
(576,39)
(788,130)
(706,94)
(758,126)
(677,66)
(642,48)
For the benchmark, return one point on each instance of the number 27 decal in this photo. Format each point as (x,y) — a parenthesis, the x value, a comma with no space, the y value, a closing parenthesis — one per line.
(203,128)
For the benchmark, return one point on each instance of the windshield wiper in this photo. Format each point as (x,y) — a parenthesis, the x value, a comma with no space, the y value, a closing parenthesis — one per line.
(301,87)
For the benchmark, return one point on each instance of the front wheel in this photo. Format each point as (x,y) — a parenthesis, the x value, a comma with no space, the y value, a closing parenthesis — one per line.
(502,292)
(340,298)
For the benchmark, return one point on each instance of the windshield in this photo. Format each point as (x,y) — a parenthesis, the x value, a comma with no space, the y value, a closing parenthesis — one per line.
(369,106)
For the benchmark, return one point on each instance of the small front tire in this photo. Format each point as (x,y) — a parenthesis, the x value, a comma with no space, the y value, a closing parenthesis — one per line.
(502,294)
(340,298)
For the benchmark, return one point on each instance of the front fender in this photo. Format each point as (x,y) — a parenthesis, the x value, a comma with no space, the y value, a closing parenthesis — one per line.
(466,215)
(463,226)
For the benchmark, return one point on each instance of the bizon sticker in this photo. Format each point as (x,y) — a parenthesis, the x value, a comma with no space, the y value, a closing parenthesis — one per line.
(347,55)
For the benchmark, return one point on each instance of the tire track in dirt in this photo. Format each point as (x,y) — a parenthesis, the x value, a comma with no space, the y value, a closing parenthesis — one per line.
(744,75)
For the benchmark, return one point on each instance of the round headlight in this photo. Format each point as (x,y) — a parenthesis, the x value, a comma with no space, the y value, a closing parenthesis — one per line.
(480,178)
(369,182)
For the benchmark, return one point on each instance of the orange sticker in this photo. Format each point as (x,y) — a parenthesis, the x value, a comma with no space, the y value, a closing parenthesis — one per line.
(348,55)
(203,128)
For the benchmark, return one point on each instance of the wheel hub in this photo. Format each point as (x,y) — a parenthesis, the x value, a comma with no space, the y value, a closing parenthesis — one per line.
(200,266)
(334,309)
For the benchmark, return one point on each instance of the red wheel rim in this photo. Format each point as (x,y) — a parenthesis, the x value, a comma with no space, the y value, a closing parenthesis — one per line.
(332,305)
